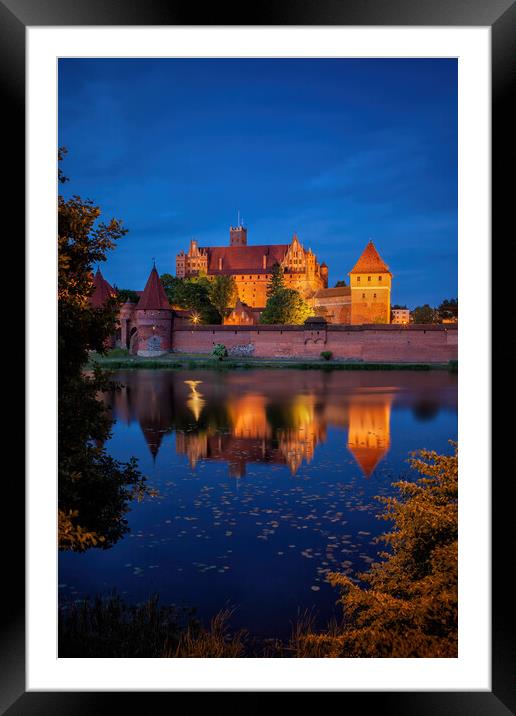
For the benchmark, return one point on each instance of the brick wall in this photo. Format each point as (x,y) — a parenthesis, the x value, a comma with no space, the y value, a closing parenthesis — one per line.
(424,343)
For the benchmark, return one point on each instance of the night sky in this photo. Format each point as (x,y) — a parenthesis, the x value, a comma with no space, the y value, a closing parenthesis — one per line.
(335,150)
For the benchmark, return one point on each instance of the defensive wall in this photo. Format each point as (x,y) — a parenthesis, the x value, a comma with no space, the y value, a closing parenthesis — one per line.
(385,343)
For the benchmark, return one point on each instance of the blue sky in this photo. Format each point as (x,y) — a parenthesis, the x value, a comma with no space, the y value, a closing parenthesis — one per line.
(335,150)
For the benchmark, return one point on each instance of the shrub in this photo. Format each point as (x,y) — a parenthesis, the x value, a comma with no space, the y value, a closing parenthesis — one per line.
(219,351)
(409,606)
(117,353)
(327,355)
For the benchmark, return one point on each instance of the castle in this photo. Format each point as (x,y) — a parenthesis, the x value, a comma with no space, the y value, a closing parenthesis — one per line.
(366,300)
(146,327)
(251,266)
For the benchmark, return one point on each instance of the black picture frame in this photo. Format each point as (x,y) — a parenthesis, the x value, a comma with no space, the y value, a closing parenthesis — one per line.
(500,15)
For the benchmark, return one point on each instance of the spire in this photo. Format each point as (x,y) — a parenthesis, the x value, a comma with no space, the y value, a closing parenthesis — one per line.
(370,261)
(102,290)
(153,296)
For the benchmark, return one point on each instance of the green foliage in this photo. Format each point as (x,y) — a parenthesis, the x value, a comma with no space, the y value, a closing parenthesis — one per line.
(423,314)
(117,353)
(327,355)
(448,309)
(94,489)
(286,306)
(410,606)
(341,284)
(219,351)
(108,627)
(126,294)
(277,282)
(191,294)
(222,293)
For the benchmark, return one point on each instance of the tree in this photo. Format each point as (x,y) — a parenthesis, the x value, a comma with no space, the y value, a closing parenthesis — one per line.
(219,351)
(277,282)
(286,306)
(341,284)
(94,489)
(223,294)
(423,314)
(448,310)
(409,608)
(191,294)
(126,294)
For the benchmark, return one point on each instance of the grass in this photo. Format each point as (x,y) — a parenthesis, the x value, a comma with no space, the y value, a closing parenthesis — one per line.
(174,361)
(108,627)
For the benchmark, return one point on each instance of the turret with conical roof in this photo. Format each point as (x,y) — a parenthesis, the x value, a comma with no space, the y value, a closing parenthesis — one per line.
(102,290)
(154,318)
(370,283)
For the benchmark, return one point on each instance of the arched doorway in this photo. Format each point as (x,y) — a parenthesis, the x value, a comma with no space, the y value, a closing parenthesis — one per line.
(133,341)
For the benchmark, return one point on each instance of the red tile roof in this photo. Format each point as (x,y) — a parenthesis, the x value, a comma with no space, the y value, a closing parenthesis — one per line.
(237,259)
(370,261)
(333,292)
(153,297)
(102,291)
(368,458)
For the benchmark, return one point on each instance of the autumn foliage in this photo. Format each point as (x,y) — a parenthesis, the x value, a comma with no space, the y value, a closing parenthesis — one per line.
(406,605)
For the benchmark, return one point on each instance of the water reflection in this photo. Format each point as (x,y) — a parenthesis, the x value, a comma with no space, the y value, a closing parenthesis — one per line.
(258,417)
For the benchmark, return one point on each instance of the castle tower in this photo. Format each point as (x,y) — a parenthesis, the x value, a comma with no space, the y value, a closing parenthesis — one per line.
(238,235)
(369,431)
(154,319)
(193,262)
(324,274)
(102,291)
(370,283)
(101,294)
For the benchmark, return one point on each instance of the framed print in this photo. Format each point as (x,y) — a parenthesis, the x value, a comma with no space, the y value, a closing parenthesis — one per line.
(352,144)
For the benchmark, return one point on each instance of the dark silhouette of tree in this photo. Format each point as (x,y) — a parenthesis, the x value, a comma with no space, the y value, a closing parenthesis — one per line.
(448,309)
(424,314)
(94,489)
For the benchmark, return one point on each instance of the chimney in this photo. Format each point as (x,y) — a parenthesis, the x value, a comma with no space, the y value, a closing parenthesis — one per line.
(220,263)
(264,262)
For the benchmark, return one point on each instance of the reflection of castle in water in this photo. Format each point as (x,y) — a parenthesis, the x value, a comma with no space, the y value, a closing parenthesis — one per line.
(265,419)
(369,431)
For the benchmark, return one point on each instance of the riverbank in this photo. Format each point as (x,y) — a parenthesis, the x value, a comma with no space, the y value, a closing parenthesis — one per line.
(116,360)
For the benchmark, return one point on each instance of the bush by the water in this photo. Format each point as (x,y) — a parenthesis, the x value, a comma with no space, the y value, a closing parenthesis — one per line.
(409,608)
(327,355)
(219,351)
(118,353)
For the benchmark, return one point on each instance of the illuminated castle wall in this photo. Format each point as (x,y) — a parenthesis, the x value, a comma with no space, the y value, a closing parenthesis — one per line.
(251,266)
